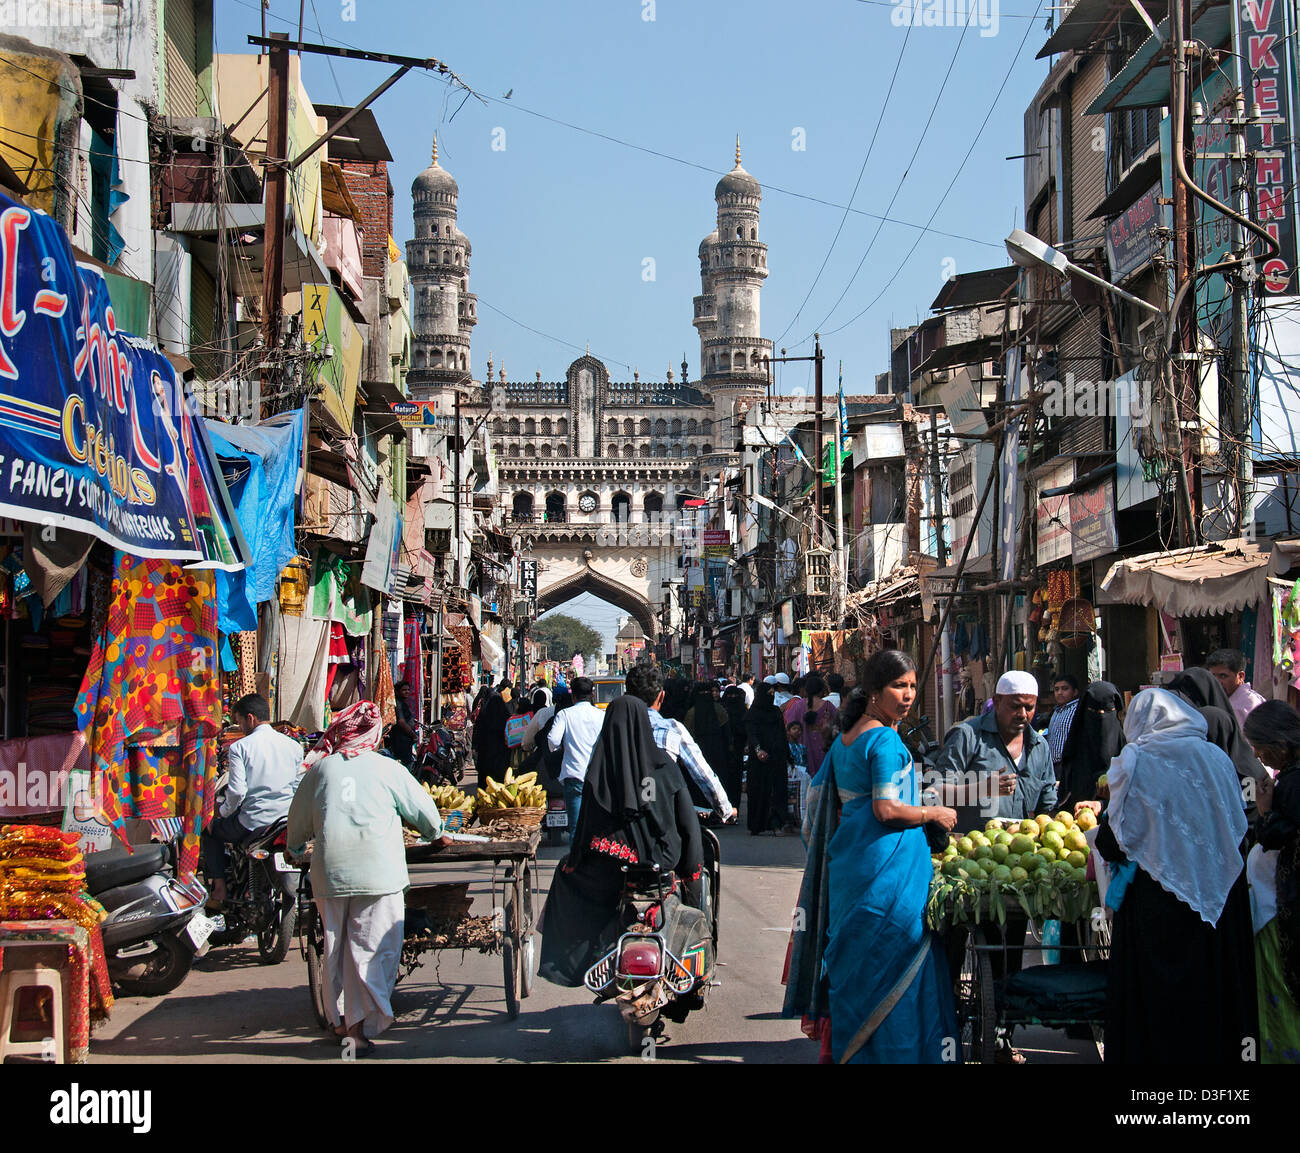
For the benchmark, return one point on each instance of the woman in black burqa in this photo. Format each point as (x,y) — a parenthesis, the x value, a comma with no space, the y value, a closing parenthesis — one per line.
(708,722)
(733,774)
(769,758)
(491,753)
(636,810)
(1095,738)
(1200,688)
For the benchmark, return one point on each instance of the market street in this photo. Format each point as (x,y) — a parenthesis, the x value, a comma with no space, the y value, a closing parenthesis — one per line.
(451,1008)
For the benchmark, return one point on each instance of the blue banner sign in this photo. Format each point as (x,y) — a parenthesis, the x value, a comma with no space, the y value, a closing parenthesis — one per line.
(97,433)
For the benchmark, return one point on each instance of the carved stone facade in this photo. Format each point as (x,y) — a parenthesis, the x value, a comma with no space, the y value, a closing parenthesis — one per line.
(592,473)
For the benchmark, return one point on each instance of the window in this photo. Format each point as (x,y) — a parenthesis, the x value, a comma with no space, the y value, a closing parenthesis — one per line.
(562,427)
(653,505)
(498,426)
(545,426)
(514,426)
(661,449)
(661,427)
(643,429)
(523,506)
(546,451)
(530,427)
(628,452)
(628,427)
(622,506)
(612,428)
(675,429)
(555,506)
(645,450)
(753,234)
(692,427)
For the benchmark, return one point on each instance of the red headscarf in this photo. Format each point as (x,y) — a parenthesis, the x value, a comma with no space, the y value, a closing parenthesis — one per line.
(357,729)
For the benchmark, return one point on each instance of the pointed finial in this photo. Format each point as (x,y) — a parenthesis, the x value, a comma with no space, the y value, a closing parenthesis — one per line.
(588,348)
(435,147)
(737,149)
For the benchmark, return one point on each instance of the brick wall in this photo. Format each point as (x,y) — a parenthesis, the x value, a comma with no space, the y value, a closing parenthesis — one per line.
(371,189)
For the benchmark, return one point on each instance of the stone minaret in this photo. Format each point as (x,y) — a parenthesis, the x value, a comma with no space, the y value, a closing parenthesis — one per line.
(733,266)
(443,310)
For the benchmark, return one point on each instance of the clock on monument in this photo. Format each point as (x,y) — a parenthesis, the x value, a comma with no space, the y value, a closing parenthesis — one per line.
(587,503)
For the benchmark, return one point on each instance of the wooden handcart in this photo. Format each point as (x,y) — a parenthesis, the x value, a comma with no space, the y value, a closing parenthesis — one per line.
(438,915)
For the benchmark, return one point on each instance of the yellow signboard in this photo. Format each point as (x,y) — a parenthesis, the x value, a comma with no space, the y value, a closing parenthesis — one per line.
(327,325)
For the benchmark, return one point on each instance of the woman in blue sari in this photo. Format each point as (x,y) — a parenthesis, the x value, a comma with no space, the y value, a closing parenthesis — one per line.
(861,954)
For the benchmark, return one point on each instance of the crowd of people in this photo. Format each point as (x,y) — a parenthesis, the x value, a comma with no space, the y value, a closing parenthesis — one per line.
(1195,786)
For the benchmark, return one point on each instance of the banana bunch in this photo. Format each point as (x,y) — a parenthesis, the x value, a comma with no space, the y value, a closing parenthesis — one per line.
(514,793)
(449,797)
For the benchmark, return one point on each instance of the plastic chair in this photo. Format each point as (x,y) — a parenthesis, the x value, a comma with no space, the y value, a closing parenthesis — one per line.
(12,983)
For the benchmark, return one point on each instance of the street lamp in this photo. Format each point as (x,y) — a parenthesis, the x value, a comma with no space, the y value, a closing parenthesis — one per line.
(1029,252)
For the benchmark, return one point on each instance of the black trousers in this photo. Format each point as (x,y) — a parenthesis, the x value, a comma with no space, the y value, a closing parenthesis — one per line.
(221,831)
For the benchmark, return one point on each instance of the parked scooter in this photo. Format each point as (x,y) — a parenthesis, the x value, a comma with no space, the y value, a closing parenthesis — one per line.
(261,895)
(664,962)
(155,926)
(438,757)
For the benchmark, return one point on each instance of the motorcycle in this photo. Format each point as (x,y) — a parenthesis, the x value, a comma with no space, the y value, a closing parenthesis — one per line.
(664,961)
(261,895)
(438,757)
(155,926)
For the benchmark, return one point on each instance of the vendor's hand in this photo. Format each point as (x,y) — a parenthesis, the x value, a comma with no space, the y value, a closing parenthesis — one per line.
(1264,794)
(946,817)
(445,840)
(1006,784)
(1095,806)
(762,755)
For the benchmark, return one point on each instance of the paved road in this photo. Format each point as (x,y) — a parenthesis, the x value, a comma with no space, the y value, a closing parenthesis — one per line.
(452,1007)
(233,1009)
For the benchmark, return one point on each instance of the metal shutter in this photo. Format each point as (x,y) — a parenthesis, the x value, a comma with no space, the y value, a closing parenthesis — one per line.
(181,82)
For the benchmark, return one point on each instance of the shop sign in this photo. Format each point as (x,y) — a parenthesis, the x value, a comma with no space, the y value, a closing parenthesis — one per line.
(528,578)
(1132,237)
(716,542)
(97,434)
(1054,536)
(787,617)
(413,413)
(327,326)
(1092,523)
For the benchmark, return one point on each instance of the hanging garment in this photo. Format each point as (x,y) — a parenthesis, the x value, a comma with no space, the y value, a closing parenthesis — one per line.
(384,696)
(338,595)
(154,666)
(304,665)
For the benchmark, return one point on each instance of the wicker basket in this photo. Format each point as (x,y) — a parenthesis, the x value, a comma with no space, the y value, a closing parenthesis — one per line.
(455,820)
(511,821)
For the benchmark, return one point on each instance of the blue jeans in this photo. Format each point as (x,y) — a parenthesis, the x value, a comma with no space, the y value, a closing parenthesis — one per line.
(572,803)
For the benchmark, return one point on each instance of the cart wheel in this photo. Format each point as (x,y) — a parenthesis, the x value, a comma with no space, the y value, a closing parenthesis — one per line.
(976,1010)
(316,965)
(510,947)
(528,965)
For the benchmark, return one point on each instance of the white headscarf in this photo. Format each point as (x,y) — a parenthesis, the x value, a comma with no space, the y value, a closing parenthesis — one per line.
(1175,803)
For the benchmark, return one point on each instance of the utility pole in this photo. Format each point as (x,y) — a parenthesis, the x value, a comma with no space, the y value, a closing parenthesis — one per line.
(1242,423)
(817,440)
(936,492)
(1185,362)
(274,169)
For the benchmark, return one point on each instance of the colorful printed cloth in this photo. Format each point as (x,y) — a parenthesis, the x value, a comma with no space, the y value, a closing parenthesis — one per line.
(154,670)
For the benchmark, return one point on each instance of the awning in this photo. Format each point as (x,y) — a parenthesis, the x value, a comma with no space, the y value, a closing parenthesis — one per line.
(975,566)
(1193,582)
(1284,559)
(1141,176)
(968,288)
(1081,25)
(1144,81)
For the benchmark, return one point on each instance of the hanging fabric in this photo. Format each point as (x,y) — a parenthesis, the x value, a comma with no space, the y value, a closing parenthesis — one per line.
(154,666)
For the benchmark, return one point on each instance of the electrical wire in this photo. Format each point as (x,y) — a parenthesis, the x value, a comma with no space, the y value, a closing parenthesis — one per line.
(906,172)
(880,119)
(951,184)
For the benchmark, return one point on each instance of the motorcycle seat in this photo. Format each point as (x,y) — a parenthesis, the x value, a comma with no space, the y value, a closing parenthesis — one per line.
(114,867)
(262,838)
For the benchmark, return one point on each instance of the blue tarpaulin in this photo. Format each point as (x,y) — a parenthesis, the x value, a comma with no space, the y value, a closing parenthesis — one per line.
(260,465)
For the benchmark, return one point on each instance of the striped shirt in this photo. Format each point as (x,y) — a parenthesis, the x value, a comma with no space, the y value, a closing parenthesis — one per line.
(675,739)
(1058,728)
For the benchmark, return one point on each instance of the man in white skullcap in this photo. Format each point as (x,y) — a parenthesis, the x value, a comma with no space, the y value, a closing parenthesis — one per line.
(998,765)
(782,696)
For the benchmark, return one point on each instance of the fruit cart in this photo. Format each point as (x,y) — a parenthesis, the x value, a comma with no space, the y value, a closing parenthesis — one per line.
(988,923)
(438,914)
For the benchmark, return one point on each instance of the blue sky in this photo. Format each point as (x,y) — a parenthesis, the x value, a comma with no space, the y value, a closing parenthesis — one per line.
(563,221)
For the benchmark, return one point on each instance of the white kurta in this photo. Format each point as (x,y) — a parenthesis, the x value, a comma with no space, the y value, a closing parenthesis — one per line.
(363,945)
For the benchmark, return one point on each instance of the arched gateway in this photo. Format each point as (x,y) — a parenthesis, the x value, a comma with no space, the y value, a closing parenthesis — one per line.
(588,580)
